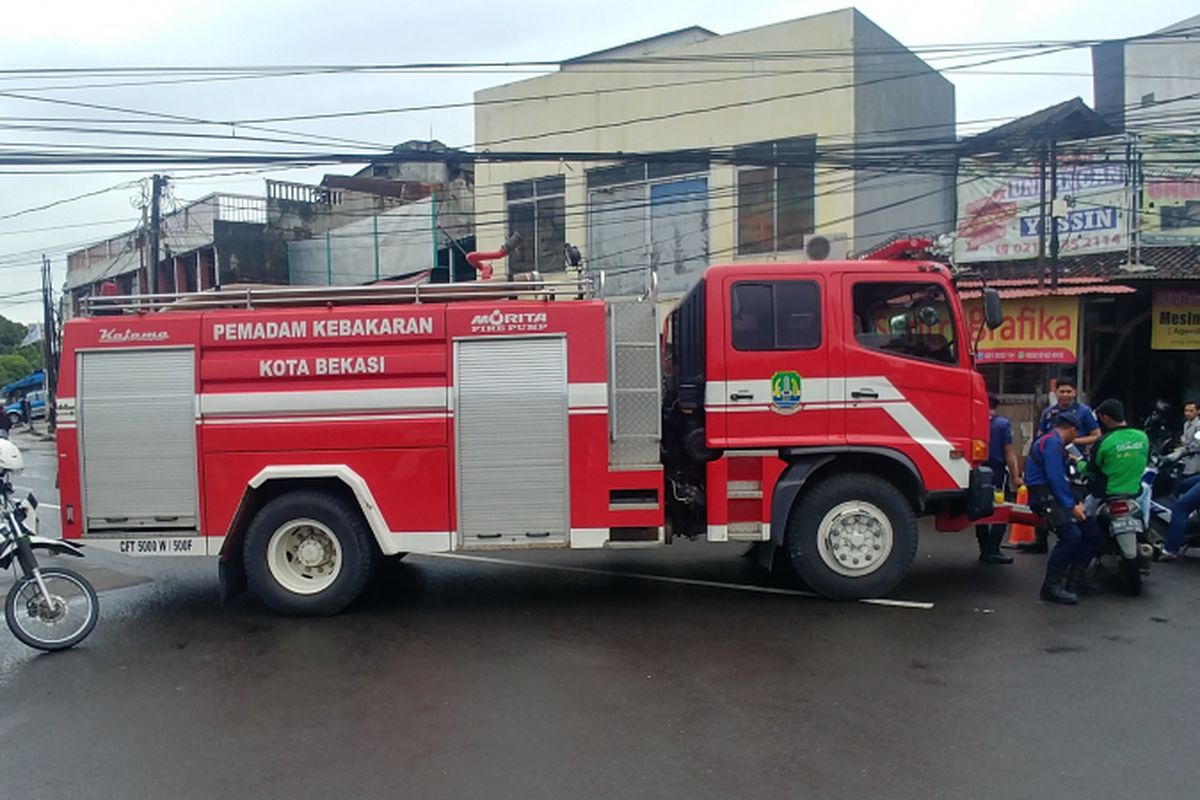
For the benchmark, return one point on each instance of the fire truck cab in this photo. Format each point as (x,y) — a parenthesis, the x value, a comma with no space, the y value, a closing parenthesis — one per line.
(301,436)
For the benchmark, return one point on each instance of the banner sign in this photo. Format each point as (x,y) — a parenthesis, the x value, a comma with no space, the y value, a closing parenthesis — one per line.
(1175,319)
(999,204)
(1171,191)
(1037,330)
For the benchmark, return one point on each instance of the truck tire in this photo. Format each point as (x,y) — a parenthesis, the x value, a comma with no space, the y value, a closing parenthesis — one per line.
(852,536)
(308,553)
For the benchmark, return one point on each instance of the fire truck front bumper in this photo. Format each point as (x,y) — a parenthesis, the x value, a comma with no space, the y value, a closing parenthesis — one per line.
(977,504)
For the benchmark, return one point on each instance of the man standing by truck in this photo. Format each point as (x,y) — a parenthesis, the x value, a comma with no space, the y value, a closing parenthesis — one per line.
(1002,458)
(1051,496)
(1088,432)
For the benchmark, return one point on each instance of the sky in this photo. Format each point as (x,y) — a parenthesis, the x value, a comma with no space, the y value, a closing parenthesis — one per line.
(121,33)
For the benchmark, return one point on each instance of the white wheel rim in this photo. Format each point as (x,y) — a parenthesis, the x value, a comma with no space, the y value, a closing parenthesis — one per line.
(855,538)
(304,556)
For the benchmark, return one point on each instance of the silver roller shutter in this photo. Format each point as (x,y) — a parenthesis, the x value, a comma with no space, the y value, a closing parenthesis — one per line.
(137,428)
(511,430)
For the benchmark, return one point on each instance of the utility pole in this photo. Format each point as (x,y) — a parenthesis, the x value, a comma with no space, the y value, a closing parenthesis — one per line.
(1041,269)
(49,350)
(1053,217)
(156,186)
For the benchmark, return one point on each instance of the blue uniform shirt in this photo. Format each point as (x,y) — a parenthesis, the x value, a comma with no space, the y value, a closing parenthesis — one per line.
(1087,420)
(999,434)
(1051,468)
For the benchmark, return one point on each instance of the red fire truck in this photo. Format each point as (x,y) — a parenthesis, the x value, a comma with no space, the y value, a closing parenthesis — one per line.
(304,435)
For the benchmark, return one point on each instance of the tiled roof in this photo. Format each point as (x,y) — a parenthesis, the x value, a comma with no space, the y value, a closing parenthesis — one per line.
(1071,290)
(1072,119)
(1163,263)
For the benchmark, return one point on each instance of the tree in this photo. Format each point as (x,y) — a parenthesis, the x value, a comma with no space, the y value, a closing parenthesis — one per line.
(11,334)
(33,355)
(13,366)
(15,361)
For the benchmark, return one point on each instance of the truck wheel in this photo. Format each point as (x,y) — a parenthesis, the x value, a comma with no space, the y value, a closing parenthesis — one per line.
(852,536)
(14,418)
(308,553)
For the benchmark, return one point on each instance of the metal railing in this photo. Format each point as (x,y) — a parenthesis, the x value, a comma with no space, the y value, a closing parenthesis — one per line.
(252,297)
(581,286)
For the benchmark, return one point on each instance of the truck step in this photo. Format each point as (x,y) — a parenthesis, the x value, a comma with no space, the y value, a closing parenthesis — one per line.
(747,532)
(744,490)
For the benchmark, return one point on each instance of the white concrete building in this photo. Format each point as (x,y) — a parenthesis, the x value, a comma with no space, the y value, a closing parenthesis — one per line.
(759,139)
(1150,82)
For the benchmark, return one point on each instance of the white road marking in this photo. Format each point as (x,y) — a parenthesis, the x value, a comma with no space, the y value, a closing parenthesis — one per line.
(506,562)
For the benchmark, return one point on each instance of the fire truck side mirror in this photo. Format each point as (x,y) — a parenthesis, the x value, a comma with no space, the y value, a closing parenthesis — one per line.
(992,312)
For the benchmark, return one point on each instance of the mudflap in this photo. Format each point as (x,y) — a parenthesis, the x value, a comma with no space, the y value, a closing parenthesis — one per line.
(981,496)
(1128,545)
(233,579)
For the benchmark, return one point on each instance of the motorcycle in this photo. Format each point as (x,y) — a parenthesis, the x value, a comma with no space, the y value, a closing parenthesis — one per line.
(1156,428)
(1160,489)
(48,608)
(1124,553)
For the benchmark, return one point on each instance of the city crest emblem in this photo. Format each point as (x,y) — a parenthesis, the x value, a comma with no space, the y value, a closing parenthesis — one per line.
(785,392)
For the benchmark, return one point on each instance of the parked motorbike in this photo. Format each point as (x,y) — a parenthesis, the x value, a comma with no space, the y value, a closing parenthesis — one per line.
(49,608)
(1157,430)
(1125,552)
(1160,490)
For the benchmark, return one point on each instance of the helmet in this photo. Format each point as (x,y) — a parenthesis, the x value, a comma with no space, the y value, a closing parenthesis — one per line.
(11,459)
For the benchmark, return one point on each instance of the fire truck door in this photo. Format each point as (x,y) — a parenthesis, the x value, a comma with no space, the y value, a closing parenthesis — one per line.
(510,407)
(775,388)
(907,375)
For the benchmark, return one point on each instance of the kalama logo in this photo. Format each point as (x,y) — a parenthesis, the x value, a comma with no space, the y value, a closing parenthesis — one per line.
(122,337)
(509,322)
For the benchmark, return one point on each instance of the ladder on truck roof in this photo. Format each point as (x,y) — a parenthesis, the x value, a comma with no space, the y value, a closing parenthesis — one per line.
(579,287)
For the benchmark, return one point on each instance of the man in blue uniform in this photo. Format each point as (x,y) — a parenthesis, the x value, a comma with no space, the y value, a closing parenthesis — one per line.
(1051,495)
(1068,403)
(1002,458)
(1088,433)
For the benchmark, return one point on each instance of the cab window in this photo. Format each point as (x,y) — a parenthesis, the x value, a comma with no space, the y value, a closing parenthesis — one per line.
(912,320)
(776,315)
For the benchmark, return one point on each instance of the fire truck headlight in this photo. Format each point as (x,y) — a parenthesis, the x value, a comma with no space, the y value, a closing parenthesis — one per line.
(979,451)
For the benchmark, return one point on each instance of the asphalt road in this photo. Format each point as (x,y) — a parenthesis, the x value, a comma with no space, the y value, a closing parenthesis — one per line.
(468,679)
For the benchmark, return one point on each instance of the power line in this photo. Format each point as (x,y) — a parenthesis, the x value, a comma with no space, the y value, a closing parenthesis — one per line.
(940,49)
(66,200)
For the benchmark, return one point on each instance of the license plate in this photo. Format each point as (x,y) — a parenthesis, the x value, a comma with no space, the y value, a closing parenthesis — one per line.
(1125,525)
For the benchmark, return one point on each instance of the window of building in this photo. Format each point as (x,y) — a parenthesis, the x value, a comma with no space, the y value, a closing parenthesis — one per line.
(1148,99)
(537,210)
(1015,379)
(913,320)
(776,315)
(649,214)
(775,195)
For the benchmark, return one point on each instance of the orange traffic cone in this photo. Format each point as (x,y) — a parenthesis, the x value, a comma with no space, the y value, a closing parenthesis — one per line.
(1017,533)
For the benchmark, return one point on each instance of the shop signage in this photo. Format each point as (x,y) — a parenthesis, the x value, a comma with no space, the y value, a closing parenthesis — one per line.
(1175,319)
(1171,196)
(1038,330)
(999,204)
